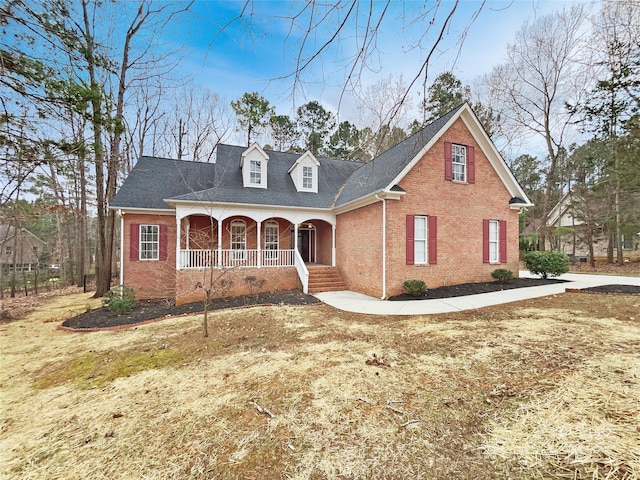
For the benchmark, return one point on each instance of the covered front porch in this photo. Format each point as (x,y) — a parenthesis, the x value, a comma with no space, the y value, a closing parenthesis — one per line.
(244,239)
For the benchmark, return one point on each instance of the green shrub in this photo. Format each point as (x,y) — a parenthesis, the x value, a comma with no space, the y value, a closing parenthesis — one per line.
(547,264)
(502,275)
(119,300)
(415,288)
(529,243)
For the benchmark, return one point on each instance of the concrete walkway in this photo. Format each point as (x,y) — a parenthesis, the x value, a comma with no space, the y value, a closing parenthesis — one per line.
(359,303)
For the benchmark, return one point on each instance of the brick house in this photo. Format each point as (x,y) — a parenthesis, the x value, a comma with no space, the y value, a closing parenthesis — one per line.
(441,206)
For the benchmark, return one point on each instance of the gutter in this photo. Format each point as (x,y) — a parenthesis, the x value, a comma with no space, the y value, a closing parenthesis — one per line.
(384,246)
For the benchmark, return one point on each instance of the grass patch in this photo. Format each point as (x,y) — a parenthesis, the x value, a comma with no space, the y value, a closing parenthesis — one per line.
(545,388)
(97,369)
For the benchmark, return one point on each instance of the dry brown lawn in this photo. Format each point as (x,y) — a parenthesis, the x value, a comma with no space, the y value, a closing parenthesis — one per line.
(547,388)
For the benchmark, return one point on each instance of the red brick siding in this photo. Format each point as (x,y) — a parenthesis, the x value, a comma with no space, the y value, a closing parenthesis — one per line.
(275,279)
(203,232)
(460,209)
(359,249)
(150,278)
(324,242)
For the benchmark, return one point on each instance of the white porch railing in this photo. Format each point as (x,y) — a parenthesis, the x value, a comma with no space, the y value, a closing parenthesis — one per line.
(303,272)
(190,259)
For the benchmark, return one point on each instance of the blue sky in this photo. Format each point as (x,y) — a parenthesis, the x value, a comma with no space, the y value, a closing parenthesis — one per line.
(253,53)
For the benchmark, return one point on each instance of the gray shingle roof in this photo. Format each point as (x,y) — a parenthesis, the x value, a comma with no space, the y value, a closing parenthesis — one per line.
(153,180)
(379,172)
(228,188)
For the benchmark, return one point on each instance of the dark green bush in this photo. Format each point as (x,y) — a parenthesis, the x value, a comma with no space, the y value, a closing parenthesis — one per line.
(547,264)
(119,300)
(415,288)
(502,275)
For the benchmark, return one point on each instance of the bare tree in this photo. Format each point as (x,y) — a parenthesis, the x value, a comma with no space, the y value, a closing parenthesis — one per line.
(543,72)
(381,109)
(346,34)
(143,124)
(193,123)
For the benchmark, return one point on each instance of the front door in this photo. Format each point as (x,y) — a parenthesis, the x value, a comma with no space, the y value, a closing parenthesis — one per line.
(307,244)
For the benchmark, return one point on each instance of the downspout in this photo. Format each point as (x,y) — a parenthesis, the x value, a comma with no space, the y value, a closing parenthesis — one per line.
(121,246)
(384,246)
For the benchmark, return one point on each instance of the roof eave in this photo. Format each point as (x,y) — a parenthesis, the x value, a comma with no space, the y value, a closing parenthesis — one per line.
(520,206)
(142,210)
(378,195)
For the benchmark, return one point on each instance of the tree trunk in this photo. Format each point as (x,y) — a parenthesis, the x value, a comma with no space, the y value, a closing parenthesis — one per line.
(14,259)
(619,252)
(103,252)
(82,224)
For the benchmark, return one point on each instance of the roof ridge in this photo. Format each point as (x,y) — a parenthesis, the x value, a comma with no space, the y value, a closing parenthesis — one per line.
(151,157)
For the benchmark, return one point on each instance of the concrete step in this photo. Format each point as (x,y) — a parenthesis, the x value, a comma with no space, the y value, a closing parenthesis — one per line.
(325,279)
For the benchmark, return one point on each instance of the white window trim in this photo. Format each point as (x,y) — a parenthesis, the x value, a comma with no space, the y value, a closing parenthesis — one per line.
(420,241)
(455,154)
(142,240)
(271,253)
(494,227)
(238,253)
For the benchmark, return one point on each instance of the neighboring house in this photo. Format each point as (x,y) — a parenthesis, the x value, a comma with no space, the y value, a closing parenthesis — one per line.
(21,247)
(441,206)
(571,231)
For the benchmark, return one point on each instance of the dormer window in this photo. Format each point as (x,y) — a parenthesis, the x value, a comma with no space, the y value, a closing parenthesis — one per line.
(255,172)
(304,173)
(307,178)
(254,167)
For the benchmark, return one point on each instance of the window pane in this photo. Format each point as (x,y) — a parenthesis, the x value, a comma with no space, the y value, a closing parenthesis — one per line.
(307,177)
(271,238)
(459,162)
(420,228)
(493,241)
(493,231)
(149,242)
(420,251)
(420,239)
(238,235)
(255,172)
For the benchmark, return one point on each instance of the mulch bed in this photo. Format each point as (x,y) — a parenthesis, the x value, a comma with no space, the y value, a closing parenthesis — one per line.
(476,288)
(614,288)
(146,310)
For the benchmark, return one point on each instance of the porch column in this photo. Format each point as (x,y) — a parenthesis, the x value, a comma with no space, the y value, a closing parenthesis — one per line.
(219,255)
(333,245)
(259,226)
(178,225)
(295,237)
